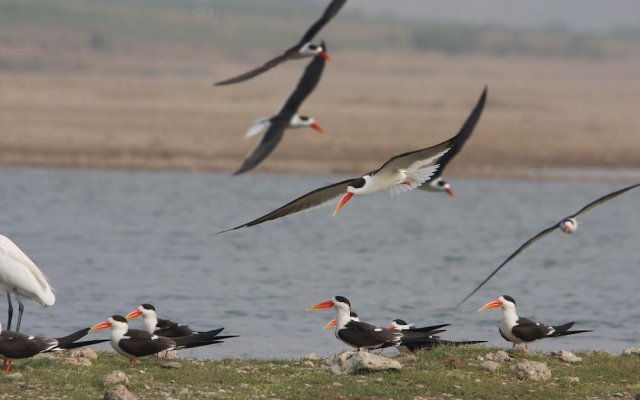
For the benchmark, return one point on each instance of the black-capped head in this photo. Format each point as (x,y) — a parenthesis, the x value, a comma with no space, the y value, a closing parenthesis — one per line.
(342,299)
(148,306)
(400,322)
(509,298)
(353,314)
(357,183)
(119,318)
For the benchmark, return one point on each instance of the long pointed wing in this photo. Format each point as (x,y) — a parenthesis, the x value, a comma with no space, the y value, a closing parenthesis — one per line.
(602,200)
(463,134)
(256,71)
(306,85)
(269,141)
(515,253)
(416,159)
(332,9)
(310,200)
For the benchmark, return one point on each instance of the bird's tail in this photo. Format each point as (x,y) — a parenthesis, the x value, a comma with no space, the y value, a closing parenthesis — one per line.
(75,345)
(203,338)
(431,329)
(72,337)
(563,330)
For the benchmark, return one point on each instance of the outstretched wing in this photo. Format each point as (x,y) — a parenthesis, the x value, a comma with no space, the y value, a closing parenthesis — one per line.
(332,9)
(269,141)
(463,134)
(602,200)
(306,85)
(515,253)
(310,200)
(257,71)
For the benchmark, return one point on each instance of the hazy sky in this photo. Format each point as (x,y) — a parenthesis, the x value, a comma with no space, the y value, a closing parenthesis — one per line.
(577,14)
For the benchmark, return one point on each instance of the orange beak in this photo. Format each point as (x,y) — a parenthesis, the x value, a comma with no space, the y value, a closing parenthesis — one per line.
(133,314)
(492,304)
(449,191)
(329,324)
(317,127)
(101,325)
(320,306)
(324,55)
(347,196)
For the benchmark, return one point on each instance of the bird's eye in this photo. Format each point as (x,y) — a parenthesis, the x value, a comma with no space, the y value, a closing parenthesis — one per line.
(304,118)
(312,47)
(358,183)
(442,183)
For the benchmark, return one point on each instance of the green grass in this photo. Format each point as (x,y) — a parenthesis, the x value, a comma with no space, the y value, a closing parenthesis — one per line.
(444,373)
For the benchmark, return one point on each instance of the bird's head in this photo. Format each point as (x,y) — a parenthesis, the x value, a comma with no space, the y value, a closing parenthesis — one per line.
(441,185)
(303,121)
(504,301)
(569,225)
(399,325)
(115,322)
(311,50)
(338,302)
(145,310)
(352,316)
(355,187)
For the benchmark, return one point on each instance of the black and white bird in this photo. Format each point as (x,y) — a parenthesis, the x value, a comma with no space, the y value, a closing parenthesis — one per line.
(437,184)
(133,343)
(399,174)
(567,225)
(21,277)
(425,338)
(158,326)
(304,47)
(358,334)
(16,345)
(287,117)
(353,316)
(523,330)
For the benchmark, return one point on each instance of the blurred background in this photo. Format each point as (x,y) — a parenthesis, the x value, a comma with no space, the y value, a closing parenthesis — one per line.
(125,85)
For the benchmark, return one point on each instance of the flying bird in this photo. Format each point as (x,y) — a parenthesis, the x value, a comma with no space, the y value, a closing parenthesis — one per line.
(287,116)
(523,330)
(133,343)
(15,345)
(399,174)
(358,334)
(437,184)
(304,47)
(567,225)
(20,276)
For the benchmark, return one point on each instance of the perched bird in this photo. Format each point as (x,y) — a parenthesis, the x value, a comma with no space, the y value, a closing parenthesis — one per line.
(567,225)
(361,335)
(414,339)
(133,343)
(437,184)
(287,116)
(161,327)
(399,174)
(15,345)
(523,330)
(304,48)
(20,276)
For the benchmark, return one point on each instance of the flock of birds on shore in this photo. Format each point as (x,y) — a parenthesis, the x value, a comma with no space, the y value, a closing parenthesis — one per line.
(422,168)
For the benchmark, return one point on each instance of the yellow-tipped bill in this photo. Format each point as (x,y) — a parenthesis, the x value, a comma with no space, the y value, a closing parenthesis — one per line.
(317,127)
(101,325)
(133,314)
(320,306)
(347,196)
(329,324)
(492,304)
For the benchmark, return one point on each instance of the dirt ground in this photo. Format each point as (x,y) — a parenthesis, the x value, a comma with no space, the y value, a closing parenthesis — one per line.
(541,113)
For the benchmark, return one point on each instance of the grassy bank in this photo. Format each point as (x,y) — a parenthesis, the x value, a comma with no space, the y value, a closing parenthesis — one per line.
(444,373)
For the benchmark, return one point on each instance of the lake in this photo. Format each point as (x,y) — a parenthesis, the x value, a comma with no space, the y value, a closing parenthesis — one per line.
(110,240)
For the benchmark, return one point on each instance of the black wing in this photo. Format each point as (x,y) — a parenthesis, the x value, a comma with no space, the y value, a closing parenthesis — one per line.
(257,71)
(143,345)
(332,9)
(269,141)
(306,85)
(463,134)
(168,328)
(515,253)
(362,334)
(16,345)
(529,330)
(310,200)
(430,329)
(602,200)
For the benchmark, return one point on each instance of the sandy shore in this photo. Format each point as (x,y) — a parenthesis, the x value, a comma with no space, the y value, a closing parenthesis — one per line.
(540,114)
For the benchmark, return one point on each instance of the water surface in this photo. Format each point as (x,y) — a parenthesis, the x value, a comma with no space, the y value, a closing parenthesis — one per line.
(110,240)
